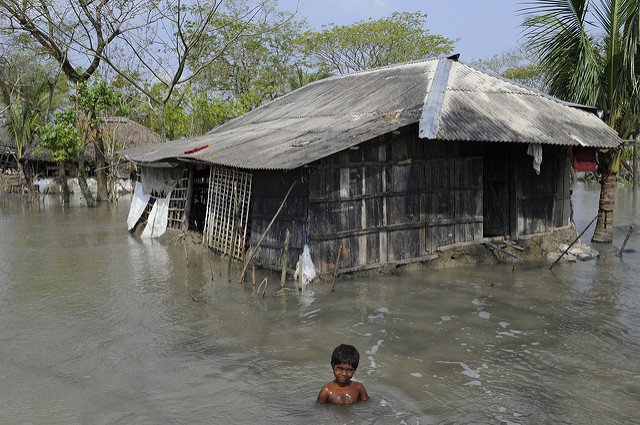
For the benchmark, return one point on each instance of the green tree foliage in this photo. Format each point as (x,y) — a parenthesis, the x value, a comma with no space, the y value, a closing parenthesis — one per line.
(589,51)
(62,137)
(93,104)
(373,43)
(97,100)
(517,65)
(250,62)
(301,77)
(210,113)
(30,88)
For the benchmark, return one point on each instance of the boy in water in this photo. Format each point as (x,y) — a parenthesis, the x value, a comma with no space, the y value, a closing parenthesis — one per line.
(342,390)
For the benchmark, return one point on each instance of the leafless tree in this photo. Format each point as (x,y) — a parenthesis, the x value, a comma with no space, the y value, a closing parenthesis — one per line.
(161,50)
(146,42)
(77,35)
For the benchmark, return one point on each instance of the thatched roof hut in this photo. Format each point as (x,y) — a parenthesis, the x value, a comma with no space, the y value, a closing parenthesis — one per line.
(125,134)
(118,132)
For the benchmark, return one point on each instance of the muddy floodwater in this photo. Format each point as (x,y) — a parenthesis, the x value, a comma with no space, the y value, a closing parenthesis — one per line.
(99,327)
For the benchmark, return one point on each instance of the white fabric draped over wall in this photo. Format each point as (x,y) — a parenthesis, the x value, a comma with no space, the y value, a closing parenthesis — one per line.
(160,181)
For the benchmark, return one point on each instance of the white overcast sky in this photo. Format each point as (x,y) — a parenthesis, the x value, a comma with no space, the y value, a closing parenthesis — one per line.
(483,27)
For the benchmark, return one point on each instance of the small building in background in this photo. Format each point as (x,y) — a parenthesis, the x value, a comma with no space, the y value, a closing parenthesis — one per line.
(8,151)
(386,166)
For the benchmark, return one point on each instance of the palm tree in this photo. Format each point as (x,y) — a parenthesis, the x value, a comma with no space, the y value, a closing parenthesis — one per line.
(589,52)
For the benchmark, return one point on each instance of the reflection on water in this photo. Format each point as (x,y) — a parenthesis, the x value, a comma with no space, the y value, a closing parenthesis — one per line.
(99,327)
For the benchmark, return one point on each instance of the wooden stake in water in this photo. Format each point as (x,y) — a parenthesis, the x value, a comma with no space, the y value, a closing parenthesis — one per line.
(572,243)
(625,241)
(255,249)
(285,255)
(335,270)
(300,273)
(253,277)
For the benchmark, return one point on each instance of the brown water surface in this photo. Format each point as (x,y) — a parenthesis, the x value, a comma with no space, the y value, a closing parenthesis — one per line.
(98,327)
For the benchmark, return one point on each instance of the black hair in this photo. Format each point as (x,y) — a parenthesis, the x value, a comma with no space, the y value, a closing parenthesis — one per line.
(347,354)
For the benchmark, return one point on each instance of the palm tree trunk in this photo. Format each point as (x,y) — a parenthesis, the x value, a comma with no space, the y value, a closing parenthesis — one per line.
(604,225)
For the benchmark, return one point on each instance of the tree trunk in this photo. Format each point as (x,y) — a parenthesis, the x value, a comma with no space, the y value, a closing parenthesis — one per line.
(64,184)
(604,225)
(29,188)
(101,165)
(84,188)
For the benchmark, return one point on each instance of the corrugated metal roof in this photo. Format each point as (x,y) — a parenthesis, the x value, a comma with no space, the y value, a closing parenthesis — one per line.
(334,114)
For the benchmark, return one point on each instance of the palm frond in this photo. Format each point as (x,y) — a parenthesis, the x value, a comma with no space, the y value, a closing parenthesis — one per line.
(555,30)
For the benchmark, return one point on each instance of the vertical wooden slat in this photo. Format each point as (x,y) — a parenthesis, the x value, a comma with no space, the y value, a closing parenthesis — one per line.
(227,210)
(384,251)
(513,193)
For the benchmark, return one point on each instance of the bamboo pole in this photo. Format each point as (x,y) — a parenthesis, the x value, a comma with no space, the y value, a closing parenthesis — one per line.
(253,252)
(236,220)
(635,164)
(189,201)
(253,277)
(285,256)
(335,269)
(264,282)
(572,243)
(626,239)
(186,275)
(244,264)
(300,273)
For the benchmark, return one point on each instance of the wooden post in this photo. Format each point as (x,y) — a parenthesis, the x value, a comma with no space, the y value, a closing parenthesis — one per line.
(255,249)
(572,243)
(625,241)
(253,277)
(285,255)
(189,201)
(236,229)
(300,273)
(335,270)
(244,264)
(635,164)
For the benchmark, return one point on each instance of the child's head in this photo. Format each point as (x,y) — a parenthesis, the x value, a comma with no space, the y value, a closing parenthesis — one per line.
(346,354)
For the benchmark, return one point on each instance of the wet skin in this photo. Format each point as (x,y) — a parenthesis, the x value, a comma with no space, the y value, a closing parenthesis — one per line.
(343,390)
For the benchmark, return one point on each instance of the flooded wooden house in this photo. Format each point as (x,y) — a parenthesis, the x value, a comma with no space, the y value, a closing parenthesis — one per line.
(385,166)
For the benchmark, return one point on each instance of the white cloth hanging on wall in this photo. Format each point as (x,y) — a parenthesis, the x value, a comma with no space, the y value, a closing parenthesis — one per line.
(161,181)
(138,204)
(158,218)
(535,150)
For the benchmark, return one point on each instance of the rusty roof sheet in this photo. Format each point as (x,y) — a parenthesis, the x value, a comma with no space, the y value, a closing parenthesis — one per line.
(331,115)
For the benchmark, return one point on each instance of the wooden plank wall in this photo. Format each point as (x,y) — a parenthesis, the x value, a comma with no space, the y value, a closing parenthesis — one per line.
(542,202)
(269,190)
(394,199)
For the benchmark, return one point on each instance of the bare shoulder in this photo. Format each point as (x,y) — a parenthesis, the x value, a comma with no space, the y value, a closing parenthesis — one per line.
(361,391)
(325,391)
